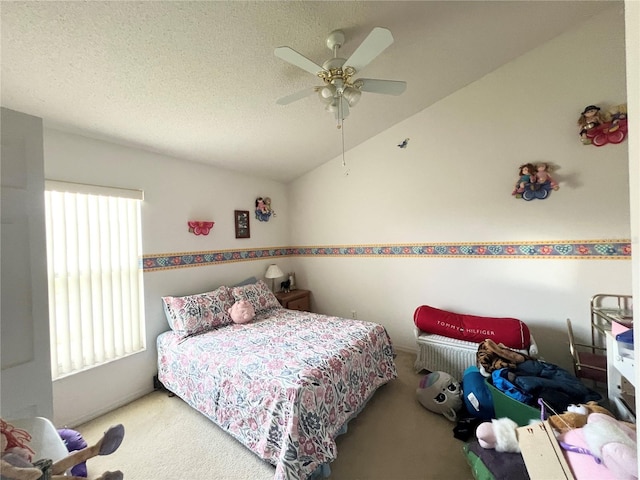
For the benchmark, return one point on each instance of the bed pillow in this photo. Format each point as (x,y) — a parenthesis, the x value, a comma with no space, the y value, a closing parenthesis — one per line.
(246,281)
(193,314)
(258,294)
(511,332)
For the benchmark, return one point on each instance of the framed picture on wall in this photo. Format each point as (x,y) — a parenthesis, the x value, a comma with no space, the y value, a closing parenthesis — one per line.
(242,223)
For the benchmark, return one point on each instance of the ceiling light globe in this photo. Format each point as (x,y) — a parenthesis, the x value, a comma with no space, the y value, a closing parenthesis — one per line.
(352,95)
(327,93)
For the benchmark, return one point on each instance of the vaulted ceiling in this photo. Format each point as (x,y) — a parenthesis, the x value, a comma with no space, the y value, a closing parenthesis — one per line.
(199,80)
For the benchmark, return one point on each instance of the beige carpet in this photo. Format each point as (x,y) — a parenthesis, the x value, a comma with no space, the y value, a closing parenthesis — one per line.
(394,438)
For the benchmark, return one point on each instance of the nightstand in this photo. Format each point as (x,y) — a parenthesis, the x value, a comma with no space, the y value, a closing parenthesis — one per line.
(295,300)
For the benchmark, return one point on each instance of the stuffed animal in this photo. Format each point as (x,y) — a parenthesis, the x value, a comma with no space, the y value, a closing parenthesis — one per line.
(498,434)
(242,312)
(74,441)
(440,393)
(16,456)
(614,443)
(576,416)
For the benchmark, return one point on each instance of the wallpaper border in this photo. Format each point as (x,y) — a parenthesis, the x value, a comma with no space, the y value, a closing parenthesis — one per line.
(571,250)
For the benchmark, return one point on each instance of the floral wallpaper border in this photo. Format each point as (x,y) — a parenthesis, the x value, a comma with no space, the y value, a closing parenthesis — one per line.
(583,250)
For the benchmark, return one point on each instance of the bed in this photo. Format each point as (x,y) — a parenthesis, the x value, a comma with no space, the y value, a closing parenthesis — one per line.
(285,385)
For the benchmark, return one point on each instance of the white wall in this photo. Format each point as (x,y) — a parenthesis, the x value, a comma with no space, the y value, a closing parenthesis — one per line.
(453,184)
(174,192)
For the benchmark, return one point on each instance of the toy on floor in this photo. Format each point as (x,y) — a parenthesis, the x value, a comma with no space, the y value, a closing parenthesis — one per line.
(576,416)
(16,457)
(614,443)
(498,434)
(605,448)
(73,441)
(439,392)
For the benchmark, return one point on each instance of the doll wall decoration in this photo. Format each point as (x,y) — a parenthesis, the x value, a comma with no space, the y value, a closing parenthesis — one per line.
(597,127)
(534,181)
(263,209)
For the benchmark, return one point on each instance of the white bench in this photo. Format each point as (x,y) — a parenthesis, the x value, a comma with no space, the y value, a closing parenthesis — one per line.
(450,355)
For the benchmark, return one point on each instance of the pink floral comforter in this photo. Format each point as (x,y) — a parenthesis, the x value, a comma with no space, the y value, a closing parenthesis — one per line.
(284,384)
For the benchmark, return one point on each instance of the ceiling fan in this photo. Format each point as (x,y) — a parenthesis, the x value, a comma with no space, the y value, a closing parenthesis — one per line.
(340,91)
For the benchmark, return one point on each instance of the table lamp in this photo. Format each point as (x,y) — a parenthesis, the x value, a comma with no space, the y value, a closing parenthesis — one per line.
(273,272)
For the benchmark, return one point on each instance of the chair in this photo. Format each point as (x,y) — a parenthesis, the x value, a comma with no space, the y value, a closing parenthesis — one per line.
(587,365)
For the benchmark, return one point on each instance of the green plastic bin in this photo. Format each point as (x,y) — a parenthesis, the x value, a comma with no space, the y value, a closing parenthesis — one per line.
(505,406)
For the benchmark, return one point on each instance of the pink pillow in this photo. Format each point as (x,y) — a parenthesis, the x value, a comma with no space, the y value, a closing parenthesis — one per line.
(511,332)
(242,312)
(193,314)
(259,294)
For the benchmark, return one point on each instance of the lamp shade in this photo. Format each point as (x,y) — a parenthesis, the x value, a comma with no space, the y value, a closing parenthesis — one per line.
(273,272)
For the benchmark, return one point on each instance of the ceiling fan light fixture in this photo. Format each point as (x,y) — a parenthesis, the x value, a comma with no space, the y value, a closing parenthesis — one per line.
(327,93)
(339,92)
(352,95)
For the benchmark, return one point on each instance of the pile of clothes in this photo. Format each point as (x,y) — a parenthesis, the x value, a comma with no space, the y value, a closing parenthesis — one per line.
(526,379)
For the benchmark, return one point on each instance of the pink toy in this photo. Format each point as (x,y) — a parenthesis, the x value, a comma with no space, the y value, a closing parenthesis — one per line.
(498,434)
(613,442)
(605,448)
(242,312)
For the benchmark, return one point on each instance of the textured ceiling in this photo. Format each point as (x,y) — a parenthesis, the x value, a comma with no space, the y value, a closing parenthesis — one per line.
(199,80)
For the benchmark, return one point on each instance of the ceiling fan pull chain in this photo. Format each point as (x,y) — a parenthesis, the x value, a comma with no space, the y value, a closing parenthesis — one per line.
(341,127)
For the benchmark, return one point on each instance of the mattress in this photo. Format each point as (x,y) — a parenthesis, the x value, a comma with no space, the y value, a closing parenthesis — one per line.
(283,385)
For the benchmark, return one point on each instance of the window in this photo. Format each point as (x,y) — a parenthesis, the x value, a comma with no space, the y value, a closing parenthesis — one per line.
(96,305)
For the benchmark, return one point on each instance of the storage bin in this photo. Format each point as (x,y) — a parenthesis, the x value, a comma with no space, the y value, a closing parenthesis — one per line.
(505,406)
(625,343)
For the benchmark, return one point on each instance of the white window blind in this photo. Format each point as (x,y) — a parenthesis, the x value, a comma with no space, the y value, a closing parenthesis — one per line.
(96,305)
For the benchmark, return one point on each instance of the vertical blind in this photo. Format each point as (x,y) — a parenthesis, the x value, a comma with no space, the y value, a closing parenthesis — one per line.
(94,248)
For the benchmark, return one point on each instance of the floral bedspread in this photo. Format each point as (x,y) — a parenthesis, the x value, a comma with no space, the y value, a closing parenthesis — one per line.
(284,384)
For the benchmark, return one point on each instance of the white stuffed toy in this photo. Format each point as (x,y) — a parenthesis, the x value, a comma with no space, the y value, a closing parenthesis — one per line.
(498,434)
(440,393)
(614,443)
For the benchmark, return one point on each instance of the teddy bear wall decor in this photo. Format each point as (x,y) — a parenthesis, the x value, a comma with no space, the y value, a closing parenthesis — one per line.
(534,181)
(598,127)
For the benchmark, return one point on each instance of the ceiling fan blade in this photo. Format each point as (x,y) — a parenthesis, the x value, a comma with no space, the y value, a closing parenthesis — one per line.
(372,46)
(297,59)
(386,87)
(286,100)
